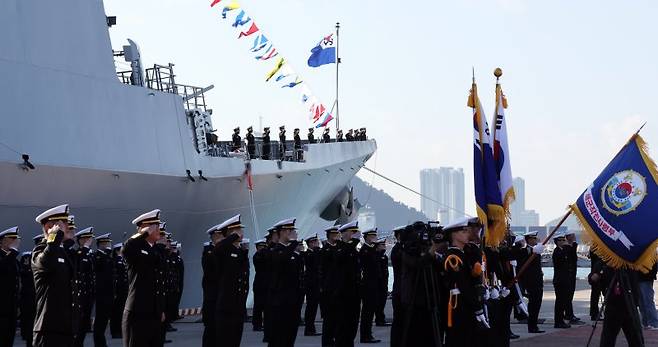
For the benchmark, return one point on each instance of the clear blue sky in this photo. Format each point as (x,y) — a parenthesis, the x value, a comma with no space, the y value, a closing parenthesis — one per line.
(580,77)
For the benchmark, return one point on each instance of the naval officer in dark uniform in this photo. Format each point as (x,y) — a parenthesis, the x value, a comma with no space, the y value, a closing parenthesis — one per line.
(326,138)
(209,286)
(120,282)
(382,261)
(261,282)
(347,275)
(285,286)
(396,297)
(299,154)
(144,314)
(83,257)
(311,284)
(311,137)
(282,142)
(371,277)
(104,269)
(327,273)
(561,279)
(267,150)
(55,281)
(233,283)
(9,284)
(236,140)
(532,280)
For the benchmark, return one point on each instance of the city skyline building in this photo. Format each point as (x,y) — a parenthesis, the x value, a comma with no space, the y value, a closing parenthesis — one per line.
(445,185)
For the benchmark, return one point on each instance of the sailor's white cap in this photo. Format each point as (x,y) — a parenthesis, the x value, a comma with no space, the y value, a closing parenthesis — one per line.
(371,231)
(559,235)
(285,224)
(10,233)
(233,222)
(531,234)
(103,238)
(351,226)
(332,229)
(381,240)
(312,238)
(213,229)
(60,212)
(86,232)
(261,242)
(518,238)
(245,241)
(117,245)
(461,223)
(207,243)
(151,217)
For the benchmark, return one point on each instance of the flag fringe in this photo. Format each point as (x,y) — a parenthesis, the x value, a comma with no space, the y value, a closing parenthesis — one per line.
(508,199)
(495,233)
(644,263)
(644,151)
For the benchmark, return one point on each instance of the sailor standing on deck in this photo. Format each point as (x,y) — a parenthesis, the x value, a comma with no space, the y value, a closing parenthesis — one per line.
(104,269)
(143,314)
(339,136)
(327,273)
(233,284)
(27,301)
(266,144)
(345,299)
(84,260)
(311,284)
(371,278)
(251,142)
(325,136)
(209,286)
(55,282)
(311,137)
(282,142)
(9,284)
(285,287)
(299,154)
(236,140)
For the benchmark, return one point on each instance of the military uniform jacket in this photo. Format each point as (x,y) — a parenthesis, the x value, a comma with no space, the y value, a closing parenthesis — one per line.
(9,283)
(327,255)
(285,282)
(209,279)
(562,270)
(326,138)
(311,138)
(232,275)
(84,260)
(237,140)
(251,140)
(262,275)
(371,274)
(382,260)
(104,268)
(56,287)
(312,271)
(120,275)
(298,142)
(146,295)
(282,139)
(27,294)
(533,277)
(347,270)
(459,274)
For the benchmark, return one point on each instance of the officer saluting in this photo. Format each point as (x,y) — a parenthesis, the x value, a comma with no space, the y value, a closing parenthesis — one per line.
(266,144)
(233,283)
(282,142)
(54,281)
(144,311)
(297,145)
(311,137)
(251,142)
(346,298)
(103,266)
(285,286)
(9,280)
(236,140)
(339,136)
(371,278)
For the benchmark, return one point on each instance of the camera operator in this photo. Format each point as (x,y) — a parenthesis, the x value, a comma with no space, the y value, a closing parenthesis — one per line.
(419,288)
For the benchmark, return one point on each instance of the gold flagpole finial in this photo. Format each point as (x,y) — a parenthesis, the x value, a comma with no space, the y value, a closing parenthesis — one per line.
(498,72)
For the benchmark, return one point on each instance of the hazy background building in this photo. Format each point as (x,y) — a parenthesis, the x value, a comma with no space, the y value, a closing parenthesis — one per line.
(520,215)
(446,186)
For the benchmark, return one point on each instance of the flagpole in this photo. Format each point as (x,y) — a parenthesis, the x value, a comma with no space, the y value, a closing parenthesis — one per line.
(337,63)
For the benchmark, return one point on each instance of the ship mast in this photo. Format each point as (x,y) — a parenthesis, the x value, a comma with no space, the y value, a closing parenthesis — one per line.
(337,63)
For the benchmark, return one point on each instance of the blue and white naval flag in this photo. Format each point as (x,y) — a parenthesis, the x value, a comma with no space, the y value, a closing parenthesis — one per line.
(618,210)
(323,53)
(501,151)
(487,196)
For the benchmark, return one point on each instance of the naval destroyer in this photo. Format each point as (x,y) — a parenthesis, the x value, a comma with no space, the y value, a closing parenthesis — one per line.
(114,144)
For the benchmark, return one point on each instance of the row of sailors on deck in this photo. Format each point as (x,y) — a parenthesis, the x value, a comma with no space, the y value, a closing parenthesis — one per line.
(236,139)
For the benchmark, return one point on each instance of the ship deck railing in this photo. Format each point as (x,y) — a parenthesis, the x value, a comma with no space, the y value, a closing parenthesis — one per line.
(227,149)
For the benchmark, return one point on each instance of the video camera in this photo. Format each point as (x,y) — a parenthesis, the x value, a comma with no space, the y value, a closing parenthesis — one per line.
(418,236)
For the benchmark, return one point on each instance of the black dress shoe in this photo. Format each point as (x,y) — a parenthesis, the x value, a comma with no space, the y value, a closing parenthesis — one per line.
(576,322)
(514,336)
(370,340)
(535,331)
(562,325)
(312,333)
